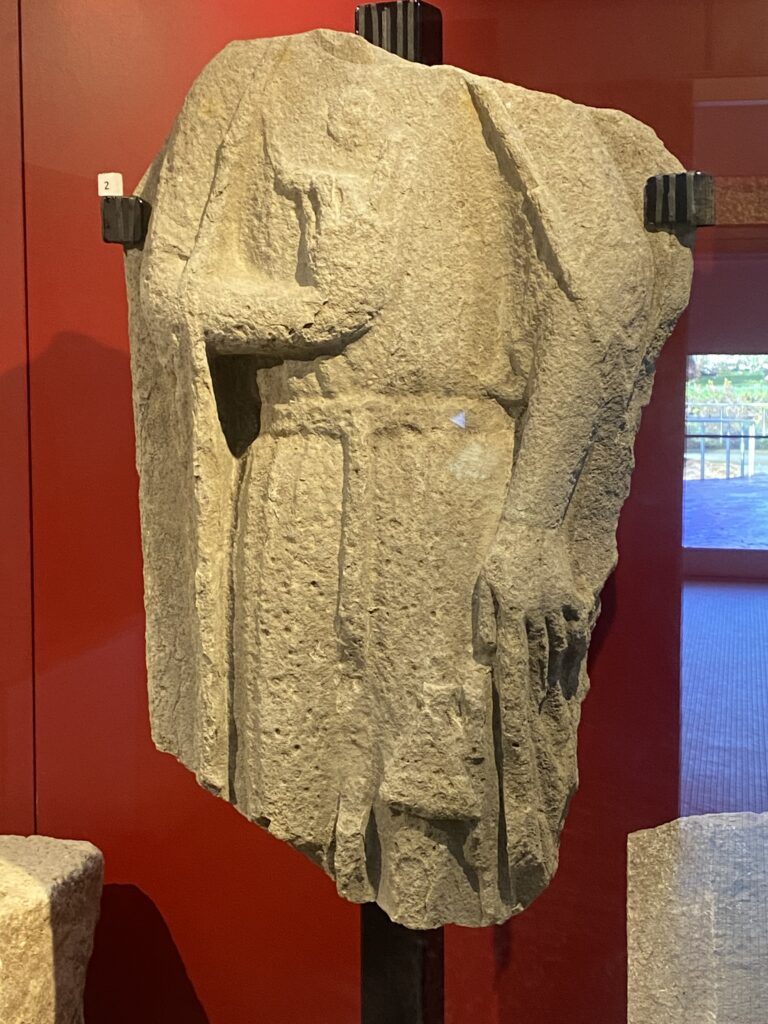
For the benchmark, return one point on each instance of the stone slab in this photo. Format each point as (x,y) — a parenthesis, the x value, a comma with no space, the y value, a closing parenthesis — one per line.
(698,921)
(49,903)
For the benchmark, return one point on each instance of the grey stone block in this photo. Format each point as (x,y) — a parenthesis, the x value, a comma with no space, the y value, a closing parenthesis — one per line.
(698,921)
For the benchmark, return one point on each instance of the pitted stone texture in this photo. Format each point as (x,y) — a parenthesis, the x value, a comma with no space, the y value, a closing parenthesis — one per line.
(391,333)
(49,903)
(698,921)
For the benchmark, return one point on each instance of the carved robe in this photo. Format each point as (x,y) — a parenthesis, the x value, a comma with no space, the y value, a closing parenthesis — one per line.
(392,329)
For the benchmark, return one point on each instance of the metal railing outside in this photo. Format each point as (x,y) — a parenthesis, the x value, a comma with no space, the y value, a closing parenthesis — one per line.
(715,432)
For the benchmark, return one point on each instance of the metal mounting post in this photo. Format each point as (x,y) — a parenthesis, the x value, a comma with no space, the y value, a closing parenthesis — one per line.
(409,28)
(402,971)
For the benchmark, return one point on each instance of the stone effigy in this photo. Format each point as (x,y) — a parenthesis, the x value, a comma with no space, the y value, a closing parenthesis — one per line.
(49,903)
(392,329)
(697,921)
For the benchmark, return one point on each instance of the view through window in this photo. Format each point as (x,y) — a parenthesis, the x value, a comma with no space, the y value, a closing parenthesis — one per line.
(726,452)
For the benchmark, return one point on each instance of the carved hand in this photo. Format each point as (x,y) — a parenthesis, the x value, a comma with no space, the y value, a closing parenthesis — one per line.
(528,577)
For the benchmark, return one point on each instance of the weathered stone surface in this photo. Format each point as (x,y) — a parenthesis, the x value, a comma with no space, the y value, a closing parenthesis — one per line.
(698,921)
(392,330)
(49,903)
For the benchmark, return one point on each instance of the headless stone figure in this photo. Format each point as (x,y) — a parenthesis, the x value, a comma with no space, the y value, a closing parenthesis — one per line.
(392,329)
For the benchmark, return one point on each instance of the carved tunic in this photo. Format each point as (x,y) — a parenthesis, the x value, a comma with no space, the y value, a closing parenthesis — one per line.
(391,332)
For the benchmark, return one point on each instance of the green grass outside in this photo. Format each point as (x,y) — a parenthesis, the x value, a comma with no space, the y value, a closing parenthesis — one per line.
(728,388)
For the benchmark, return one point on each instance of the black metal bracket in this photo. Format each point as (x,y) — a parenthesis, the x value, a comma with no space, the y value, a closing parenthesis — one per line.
(124,220)
(672,202)
(680,202)
(409,28)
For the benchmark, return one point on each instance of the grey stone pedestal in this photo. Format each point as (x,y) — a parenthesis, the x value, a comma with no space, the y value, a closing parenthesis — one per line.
(697,924)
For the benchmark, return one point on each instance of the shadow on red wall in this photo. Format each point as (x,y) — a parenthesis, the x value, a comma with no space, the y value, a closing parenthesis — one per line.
(136,972)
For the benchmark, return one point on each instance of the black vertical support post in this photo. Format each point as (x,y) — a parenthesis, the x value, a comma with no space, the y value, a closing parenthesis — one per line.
(410,28)
(401,969)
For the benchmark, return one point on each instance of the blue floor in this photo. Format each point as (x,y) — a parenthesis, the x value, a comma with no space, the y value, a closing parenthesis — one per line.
(726,513)
(724,742)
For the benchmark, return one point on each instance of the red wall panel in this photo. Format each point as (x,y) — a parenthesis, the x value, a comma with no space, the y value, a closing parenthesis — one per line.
(565,958)
(206,917)
(17,808)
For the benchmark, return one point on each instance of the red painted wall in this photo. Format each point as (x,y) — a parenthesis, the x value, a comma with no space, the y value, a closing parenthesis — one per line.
(565,959)
(205,917)
(17,805)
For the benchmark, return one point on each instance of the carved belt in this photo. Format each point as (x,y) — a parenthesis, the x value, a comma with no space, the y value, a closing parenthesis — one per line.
(353,415)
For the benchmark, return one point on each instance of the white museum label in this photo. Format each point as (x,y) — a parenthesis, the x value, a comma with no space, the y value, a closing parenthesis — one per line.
(110,183)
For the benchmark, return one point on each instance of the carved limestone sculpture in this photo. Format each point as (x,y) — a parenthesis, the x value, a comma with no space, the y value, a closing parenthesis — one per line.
(392,329)
(49,903)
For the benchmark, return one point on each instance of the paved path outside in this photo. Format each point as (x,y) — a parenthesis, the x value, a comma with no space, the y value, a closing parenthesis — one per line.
(726,513)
